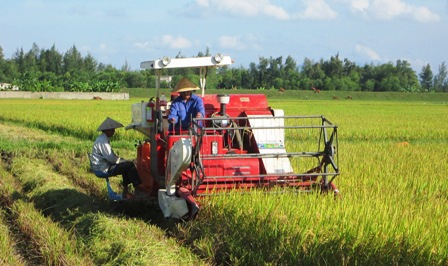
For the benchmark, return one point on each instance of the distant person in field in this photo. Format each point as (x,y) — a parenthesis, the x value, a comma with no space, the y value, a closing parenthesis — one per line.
(185,106)
(106,163)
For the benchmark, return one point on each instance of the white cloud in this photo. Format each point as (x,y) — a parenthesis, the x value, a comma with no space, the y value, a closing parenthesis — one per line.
(275,11)
(423,14)
(178,42)
(202,3)
(141,45)
(391,9)
(245,8)
(166,41)
(359,5)
(366,51)
(231,42)
(248,42)
(103,47)
(313,9)
(317,10)
(387,9)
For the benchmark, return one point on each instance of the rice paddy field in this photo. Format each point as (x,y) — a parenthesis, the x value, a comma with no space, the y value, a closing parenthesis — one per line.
(393,208)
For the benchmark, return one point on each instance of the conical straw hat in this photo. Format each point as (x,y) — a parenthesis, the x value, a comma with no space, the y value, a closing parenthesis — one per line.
(109,123)
(185,85)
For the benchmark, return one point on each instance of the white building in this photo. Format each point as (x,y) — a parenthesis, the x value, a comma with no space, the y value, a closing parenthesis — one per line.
(8,86)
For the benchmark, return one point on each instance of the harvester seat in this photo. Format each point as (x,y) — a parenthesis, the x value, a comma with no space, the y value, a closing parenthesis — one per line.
(114,196)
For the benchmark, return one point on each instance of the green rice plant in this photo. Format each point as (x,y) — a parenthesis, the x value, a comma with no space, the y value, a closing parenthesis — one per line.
(77,170)
(287,228)
(392,211)
(6,187)
(132,242)
(8,252)
(393,207)
(56,246)
(75,118)
(110,240)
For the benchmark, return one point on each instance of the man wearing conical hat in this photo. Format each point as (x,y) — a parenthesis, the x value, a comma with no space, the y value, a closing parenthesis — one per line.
(185,106)
(106,163)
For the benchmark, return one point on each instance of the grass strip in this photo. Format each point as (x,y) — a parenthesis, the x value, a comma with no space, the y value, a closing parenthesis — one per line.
(121,241)
(110,239)
(55,245)
(8,253)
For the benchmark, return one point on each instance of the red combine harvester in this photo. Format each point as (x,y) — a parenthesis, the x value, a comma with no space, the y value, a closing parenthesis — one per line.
(241,143)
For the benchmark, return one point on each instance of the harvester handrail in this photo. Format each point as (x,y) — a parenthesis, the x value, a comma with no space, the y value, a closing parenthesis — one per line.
(265,155)
(325,122)
(280,175)
(270,117)
(263,127)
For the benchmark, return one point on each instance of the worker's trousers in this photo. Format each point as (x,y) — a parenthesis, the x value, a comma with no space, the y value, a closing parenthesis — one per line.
(129,172)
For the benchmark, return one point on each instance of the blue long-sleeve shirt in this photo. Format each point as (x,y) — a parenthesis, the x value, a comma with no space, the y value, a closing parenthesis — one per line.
(183,111)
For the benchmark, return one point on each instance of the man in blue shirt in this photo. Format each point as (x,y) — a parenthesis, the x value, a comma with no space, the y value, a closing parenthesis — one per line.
(185,106)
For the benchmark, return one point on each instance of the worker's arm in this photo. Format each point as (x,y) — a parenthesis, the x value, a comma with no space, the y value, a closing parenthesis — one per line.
(172,117)
(200,107)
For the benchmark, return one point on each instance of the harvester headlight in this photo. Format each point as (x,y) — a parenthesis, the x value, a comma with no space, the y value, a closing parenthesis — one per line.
(218,58)
(166,60)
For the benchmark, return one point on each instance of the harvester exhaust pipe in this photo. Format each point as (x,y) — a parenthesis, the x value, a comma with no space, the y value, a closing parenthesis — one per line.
(223,99)
(223,109)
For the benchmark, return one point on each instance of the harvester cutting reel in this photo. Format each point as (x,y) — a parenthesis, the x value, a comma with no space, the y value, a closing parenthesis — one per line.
(326,183)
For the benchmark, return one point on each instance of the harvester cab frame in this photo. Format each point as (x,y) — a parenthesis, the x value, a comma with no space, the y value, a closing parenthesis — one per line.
(240,144)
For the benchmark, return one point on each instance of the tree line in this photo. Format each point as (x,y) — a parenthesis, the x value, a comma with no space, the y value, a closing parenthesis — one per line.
(49,70)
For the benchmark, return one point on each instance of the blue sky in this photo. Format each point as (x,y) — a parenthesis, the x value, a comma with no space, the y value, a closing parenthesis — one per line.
(115,32)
